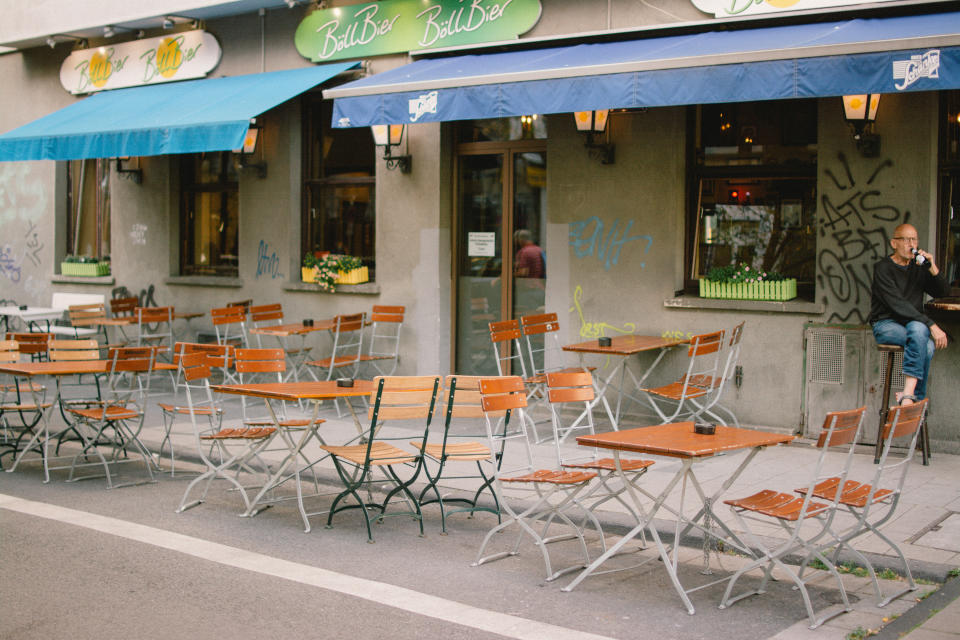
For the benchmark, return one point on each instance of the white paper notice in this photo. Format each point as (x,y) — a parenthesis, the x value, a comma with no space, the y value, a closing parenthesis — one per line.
(482,243)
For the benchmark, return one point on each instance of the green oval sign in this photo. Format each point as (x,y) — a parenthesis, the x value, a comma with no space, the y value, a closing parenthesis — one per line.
(392,26)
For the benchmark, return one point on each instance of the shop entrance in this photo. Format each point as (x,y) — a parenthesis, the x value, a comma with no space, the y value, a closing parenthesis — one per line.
(501,266)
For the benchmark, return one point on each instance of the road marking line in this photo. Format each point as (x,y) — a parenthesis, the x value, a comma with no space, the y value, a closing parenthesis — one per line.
(379,592)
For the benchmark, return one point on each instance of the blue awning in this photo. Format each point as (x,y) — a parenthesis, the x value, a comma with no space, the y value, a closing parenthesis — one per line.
(887,55)
(179,117)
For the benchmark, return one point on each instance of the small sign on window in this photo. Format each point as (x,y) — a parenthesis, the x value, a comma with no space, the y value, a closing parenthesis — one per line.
(481,244)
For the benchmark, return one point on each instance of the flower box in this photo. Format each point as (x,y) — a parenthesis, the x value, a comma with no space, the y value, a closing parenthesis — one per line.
(86,269)
(308,274)
(778,290)
(354,276)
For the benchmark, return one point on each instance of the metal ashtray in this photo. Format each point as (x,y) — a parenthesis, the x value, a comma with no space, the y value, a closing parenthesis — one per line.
(308,322)
(23,307)
(344,382)
(604,341)
(705,428)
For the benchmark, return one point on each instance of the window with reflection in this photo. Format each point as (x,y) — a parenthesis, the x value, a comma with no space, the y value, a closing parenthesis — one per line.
(209,214)
(754,189)
(339,183)
(88,208)
(948,222)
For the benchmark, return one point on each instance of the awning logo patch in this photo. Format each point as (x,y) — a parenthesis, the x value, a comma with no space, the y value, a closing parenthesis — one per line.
(426,103)
(926,65)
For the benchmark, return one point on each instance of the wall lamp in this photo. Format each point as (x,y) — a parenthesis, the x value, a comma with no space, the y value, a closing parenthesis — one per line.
(860,112)
(111,30)
(388,137)
(169,22)
(128,172)
(55,39)
(249,148)
(591,123)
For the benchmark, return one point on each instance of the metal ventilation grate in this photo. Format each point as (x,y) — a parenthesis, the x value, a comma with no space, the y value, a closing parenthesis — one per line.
(897,383)
(826,352)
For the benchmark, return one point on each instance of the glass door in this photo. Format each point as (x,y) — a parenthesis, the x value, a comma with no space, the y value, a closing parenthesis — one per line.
(501,229)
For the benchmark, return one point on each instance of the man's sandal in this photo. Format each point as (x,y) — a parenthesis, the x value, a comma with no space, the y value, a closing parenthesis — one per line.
(906,396)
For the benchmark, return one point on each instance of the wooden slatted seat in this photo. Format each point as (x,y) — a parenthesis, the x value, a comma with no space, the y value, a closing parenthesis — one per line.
(112,412)
(609,464)
(381,453)
(250,433)
(462,451)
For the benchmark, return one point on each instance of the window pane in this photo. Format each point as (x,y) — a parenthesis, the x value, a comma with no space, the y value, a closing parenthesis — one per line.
(755,188)
(209,215)
(88,208)
(342,220)
(339,185)
(767,224)
(503,129)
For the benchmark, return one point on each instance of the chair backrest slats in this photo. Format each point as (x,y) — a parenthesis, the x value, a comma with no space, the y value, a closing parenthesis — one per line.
(403,397)
(904,420)
(9,351)
(387,313)
(84,315)
(845,425)
(120,307)
(349,322)
(705,343)
(153,315)
(266,312)
(539,323)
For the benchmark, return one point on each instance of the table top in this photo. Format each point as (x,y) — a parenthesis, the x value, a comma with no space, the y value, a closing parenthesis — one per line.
(67,367)
(944,304)
(625,345)
(294,329)
(321,390)
(678,440)
(41,313)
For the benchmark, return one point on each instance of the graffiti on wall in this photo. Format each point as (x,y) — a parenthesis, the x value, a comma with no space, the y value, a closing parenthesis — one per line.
(595,329)
(855,222)
(138,234)
(23,205)
(587,238)
(268,263)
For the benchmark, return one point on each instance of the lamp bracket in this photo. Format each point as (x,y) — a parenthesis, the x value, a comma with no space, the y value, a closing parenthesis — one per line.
(261,167)
(404,162)
(136,175)
(602,151)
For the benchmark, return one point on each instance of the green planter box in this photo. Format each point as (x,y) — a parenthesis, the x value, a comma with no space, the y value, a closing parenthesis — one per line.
(89,269)
(780,290)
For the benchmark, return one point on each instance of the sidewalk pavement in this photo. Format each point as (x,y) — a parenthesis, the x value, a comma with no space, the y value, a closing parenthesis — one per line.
(926,525)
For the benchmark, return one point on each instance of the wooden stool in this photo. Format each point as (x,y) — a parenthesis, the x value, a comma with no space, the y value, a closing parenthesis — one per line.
(923,441)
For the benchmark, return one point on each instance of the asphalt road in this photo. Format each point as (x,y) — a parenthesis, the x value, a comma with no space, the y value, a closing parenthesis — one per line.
(79,561)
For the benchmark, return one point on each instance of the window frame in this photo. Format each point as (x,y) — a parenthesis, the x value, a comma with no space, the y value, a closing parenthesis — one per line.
(309,183)
(189,188)
(102,207)
(697,171)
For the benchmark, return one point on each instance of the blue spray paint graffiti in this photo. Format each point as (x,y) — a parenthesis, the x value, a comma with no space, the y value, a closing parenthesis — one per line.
(267,262)
(590,242)
(9,265)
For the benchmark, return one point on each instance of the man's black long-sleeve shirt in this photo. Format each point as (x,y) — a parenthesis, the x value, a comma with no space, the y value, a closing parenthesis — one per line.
(897,291)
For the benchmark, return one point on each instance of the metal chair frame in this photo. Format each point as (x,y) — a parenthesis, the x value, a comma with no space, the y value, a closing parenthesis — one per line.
(840,430)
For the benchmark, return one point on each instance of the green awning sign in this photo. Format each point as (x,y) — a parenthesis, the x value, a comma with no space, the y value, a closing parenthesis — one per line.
(392,26)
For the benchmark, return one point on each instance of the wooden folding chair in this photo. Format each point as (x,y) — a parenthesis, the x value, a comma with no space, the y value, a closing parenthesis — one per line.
(75,351)
(215,356)
(873,504)
(840,431)
(155,328)
(114,427)
(32,344)
(716,385)
(679,399)
(555,491)
(383,349)
(567,390)
(266,365)
(229,325)
(408,398)
(347,351)
(265,315)
(23,399)
(463,405)
(238,449)
(508,354)
(86,319)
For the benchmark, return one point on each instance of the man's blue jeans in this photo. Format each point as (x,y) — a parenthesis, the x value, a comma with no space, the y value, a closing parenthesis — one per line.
(917,348)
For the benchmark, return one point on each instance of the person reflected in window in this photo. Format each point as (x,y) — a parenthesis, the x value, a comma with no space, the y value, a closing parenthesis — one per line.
(529,261)
(896,309)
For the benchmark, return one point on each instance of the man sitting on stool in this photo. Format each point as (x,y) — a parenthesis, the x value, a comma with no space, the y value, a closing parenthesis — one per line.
(896,309)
